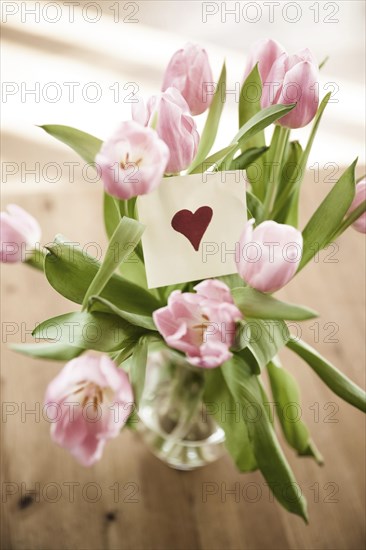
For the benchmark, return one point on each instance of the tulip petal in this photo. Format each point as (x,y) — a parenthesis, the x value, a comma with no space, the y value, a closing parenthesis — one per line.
(89,402)
(300,86)
(265,53)
(175,127)
(360,197)
(132,161)
(270,255)
(189,72)
(19,232)
(200,324)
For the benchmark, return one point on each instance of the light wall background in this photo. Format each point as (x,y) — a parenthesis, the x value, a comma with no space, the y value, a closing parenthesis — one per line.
(48,47)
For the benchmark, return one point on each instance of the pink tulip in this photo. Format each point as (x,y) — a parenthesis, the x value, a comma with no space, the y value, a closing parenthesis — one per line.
(360,197)
(269,255)
(189,71)
(169,111)
(20,232)
(88,403)
(264,52)
(293,79)
(202,325)
(132,161)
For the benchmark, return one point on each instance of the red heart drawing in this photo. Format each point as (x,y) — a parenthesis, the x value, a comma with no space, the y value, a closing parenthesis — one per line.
(193,226)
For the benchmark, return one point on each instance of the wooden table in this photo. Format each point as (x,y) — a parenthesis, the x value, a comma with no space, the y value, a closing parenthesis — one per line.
(132,501)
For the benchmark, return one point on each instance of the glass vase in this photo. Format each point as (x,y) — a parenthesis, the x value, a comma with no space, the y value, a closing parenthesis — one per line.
(173,419)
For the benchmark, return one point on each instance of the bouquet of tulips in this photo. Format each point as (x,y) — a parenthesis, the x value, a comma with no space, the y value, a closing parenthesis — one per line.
(121,318)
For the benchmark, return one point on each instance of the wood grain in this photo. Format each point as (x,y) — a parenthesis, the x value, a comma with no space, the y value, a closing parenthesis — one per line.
(155,507)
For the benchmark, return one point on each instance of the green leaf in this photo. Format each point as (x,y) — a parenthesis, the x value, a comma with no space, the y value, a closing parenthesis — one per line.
(256,124)
(350,219)
(254,207)
(266,338)
(221,405)
(96,303)
(250,103)
(260,121)
(292,217)
(266,402)
(286,393)
(97,331)
(112,215)
(232,281)
(276,157)
(314,130)
(321,65)
(334,379)
(248,157)
(35,258)
(88,146)
(212,122)
(137,368)
(253,303)
(290,175)
(216,158)
(70,271)
(247,355)
(125,353)
(85,145)
(56,351)
(184,287)
(246,390)
(134,269)
(122,243)
(242,339)
(264,172)
(327,218)
(291,169)
(132,421)
(284,197)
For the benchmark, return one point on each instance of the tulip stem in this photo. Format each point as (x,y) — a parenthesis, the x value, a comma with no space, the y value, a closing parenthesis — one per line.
(301,166)
(36,259)
(278,157)
(185,399)
(161,294)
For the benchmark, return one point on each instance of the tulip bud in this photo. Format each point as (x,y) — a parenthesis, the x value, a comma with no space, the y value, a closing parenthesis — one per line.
(269,255)
(264,52)
(19,231)
(174,125)
(189,71)
(132,161)
(91,400)
(293,79)
(360,197)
